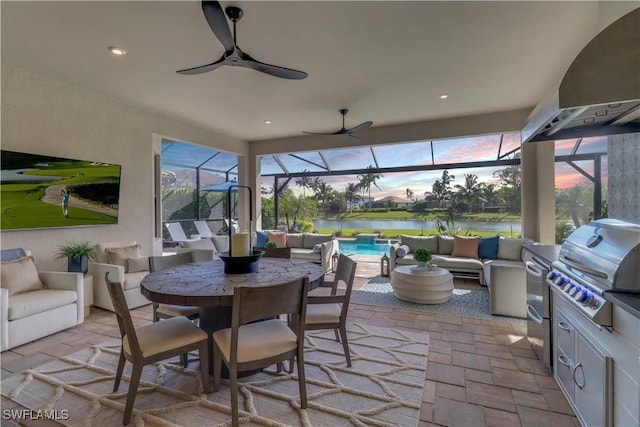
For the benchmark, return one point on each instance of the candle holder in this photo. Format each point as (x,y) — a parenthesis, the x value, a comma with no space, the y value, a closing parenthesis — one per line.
(240,264)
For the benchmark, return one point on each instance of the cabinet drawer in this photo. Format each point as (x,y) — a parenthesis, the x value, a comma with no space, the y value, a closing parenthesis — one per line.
(566,335)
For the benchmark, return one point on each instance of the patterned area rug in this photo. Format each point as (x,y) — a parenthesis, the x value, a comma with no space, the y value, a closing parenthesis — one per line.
(466,301)
(384,387)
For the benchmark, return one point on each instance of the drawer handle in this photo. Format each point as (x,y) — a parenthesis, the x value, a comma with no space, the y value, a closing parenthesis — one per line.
(565,326)
(565,361)
(575,368)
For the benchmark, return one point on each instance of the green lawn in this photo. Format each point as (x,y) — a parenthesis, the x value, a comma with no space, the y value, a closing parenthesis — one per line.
(21,205)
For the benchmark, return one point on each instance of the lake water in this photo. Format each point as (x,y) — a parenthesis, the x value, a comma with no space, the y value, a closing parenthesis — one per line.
(498,227)
(13,176)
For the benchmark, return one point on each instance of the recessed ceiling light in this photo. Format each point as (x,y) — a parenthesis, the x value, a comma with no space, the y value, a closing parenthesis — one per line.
(267,122)
(444,96)
(117,50)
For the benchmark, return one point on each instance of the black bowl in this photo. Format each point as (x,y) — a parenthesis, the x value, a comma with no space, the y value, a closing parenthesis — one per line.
(241,264)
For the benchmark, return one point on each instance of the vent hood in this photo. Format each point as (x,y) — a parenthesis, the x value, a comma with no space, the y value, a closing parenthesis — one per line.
(600,92)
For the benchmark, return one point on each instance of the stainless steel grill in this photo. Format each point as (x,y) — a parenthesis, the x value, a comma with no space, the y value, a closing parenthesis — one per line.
(602,256)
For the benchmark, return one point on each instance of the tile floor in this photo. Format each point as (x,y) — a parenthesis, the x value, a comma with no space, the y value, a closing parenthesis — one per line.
(480,372)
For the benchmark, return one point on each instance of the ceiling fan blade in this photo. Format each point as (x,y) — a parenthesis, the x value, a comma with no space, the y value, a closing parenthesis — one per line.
(217,21)
(361,126)
(274,70)
(318,133)
(205,68)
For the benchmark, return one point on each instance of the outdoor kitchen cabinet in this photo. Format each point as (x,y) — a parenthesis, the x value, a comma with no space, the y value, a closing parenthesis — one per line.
(583,372)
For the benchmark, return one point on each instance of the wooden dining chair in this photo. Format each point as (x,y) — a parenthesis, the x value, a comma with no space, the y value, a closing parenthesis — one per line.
(152,343)
(253,342)
(330,311)
(167,311)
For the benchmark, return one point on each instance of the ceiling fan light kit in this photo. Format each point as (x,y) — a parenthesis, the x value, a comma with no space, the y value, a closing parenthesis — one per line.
(344,131)
(233,55)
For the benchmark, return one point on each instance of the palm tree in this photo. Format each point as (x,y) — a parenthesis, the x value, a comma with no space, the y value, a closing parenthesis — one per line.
(471,190)
(324,192)
(410,194)
(441,189)
(304,182)
(351,194)
(368,179)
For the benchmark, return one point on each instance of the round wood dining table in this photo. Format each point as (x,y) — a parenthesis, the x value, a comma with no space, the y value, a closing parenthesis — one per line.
(205,285)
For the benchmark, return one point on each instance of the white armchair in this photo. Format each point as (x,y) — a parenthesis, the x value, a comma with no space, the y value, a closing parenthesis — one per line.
(125,265)
(36,304)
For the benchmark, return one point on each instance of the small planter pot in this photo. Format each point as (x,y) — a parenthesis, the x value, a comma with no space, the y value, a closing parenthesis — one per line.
(78,265)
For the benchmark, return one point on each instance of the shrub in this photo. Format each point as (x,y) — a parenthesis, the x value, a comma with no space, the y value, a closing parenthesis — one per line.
(422,255)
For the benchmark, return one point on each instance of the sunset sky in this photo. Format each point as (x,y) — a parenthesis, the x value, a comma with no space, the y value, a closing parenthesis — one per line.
(459,150)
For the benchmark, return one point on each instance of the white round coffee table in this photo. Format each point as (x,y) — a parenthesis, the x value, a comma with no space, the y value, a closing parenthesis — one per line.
(428,287)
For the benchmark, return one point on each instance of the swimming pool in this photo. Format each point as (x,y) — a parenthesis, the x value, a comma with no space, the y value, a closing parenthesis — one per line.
(353,247)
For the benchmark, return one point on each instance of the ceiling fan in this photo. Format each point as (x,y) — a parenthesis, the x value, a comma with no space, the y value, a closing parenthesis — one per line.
(233,55)
(345,131)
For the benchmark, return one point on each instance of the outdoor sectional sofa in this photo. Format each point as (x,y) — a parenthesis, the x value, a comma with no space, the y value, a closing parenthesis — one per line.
(495,263)
(314,247)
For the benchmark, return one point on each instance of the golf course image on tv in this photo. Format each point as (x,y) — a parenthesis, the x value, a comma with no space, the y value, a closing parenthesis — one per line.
(42,191)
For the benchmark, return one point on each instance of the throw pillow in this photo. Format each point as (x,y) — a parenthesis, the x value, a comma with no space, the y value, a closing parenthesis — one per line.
(402,251)
(120,256)
(20,275)
(445,244)
(279,237)
(415,242)
(262,237)
(136,265)
(199,244)
(317,248)
(488,247)
(511,249)
(466,247)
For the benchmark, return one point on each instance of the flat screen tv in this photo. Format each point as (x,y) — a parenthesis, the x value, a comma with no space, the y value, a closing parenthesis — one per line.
(43,191)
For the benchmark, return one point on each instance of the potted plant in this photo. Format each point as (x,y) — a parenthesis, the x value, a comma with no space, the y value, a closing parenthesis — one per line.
(77,255)
(423,257)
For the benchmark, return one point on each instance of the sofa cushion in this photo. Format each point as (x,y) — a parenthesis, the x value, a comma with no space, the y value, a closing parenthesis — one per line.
(135,265)
(221,243)
(120,256)
(486,267)
(454,263)
(511,249)
(279,238)
(302,253)
(445,244)
(295,240)
(402,251)
(262,237)
(20,275)
(101,249)
(488,248)
(132,280)
(34,302)
(465,246)
(312,239)
(199,244)
(415,242)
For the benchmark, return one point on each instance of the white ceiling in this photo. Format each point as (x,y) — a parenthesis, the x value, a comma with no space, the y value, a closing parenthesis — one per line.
(386,61)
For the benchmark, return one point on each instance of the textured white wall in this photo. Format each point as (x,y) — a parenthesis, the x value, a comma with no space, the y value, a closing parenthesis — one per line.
(45,116)
(624,176)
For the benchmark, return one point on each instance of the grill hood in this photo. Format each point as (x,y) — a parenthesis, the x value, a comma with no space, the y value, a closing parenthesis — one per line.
(600,92)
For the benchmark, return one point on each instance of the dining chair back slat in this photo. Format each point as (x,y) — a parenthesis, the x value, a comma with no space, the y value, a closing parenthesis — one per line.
(258,338)
(152,343)
(157,263)
(330,312)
